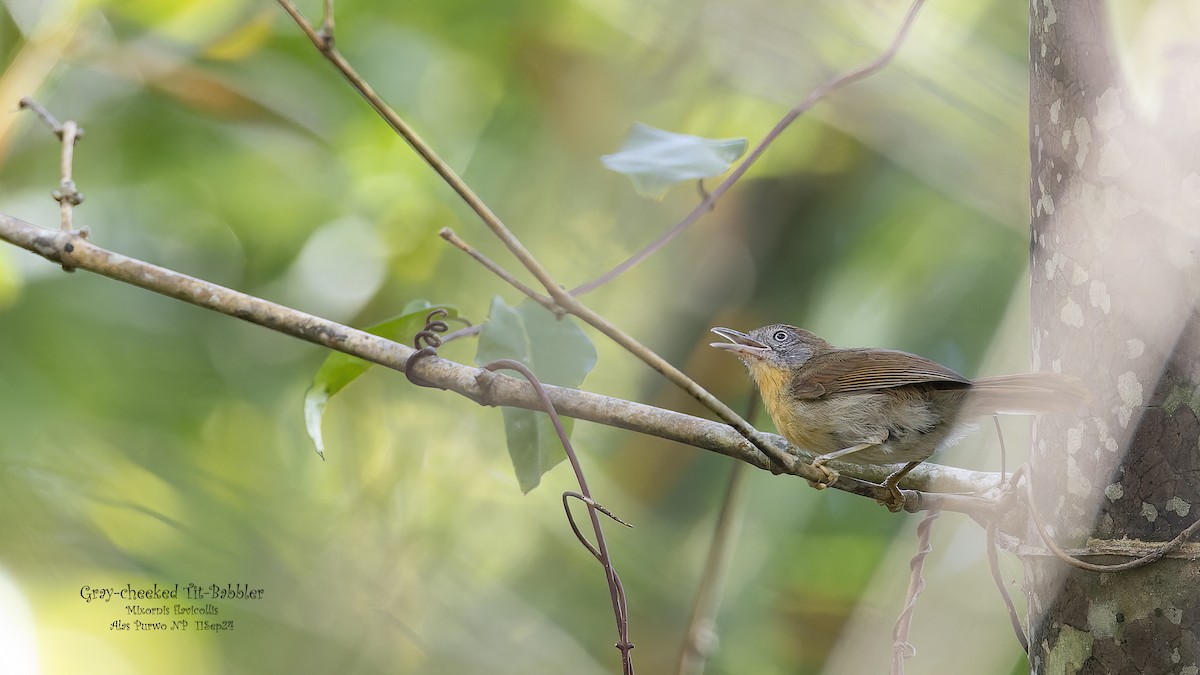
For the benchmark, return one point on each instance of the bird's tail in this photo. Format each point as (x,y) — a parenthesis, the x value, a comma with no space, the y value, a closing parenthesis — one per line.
(1027,394)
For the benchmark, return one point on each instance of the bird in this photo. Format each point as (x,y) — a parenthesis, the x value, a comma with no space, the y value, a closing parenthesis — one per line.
(880,406)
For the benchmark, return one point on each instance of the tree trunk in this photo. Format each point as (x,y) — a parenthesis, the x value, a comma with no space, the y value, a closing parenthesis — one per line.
(1115,207)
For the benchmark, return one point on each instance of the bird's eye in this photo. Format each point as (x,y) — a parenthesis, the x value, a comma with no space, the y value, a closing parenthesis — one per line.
(779,336)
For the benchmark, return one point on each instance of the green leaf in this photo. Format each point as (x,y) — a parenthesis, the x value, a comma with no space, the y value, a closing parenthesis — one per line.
(559,353)
(656,160)
(340,369)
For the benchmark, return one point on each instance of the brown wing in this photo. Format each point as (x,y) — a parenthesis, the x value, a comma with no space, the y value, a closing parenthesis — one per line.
(857,370)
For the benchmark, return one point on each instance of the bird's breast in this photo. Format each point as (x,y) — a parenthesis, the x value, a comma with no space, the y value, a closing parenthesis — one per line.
(806,424)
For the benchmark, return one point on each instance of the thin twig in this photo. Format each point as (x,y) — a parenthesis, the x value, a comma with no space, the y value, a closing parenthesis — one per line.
(600,549)
(1003,449)
(700,637)
(994,566)
(410,136)
(901,649)
(326,31)
(493,267)
(594,504)
(809,101)
(67,195)
(463,332)
(993,556)
(566,500)
(44,115)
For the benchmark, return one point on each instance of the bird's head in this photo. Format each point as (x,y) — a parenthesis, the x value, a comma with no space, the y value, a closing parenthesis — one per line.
(779,345)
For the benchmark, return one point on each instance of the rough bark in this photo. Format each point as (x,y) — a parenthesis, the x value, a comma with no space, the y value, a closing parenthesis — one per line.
(1115,206)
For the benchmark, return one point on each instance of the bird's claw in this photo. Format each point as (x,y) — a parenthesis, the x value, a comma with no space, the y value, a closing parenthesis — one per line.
(895,500)
(831,476)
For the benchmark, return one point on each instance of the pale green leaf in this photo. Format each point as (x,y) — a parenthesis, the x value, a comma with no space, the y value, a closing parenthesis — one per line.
(656,160)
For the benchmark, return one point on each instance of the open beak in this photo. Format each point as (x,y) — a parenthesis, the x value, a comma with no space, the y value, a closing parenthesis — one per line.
(739,343)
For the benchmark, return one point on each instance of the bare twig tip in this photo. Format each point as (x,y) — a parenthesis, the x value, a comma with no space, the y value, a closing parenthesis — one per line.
(448,234)
(326,32)
(27,103)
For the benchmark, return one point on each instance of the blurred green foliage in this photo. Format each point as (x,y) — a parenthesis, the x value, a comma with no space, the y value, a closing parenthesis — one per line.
(144,441)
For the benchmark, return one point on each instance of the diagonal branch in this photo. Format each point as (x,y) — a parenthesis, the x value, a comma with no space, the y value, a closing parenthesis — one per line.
(322,39)
(493,267)
(710,198)
(68,248)
(700,638)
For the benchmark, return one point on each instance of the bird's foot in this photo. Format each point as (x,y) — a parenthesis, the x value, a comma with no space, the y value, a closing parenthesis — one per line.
(831,476)
(895,500)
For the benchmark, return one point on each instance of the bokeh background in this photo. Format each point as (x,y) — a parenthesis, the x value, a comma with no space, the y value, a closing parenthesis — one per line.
(146,441)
